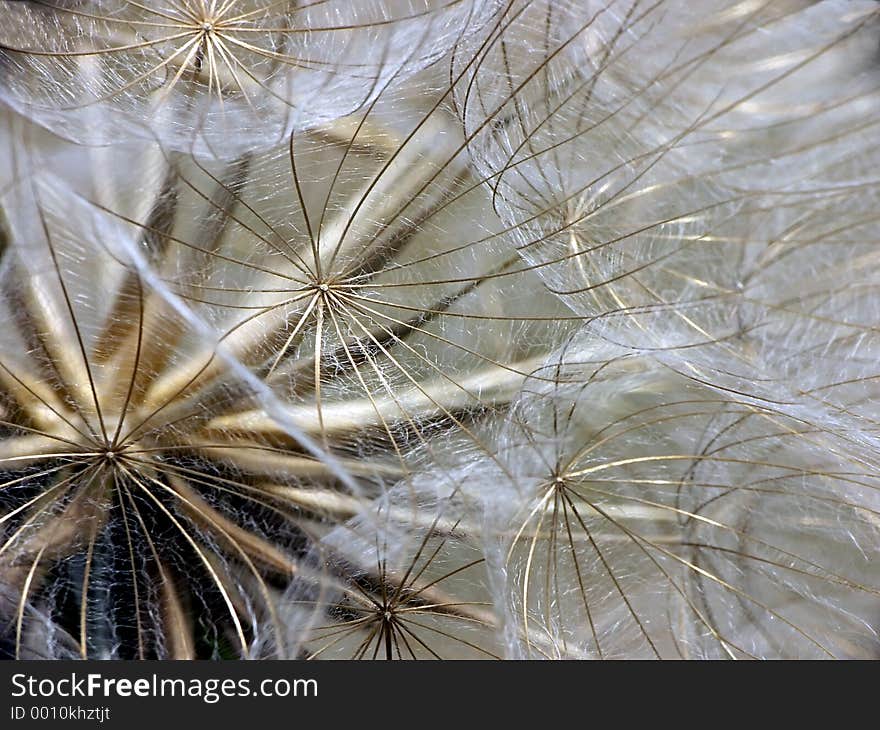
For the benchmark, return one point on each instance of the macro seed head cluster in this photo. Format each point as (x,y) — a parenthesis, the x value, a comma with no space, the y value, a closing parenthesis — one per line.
(439,329)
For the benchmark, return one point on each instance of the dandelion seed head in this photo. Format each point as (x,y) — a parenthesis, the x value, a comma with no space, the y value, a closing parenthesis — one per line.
(220,80)
(396,330)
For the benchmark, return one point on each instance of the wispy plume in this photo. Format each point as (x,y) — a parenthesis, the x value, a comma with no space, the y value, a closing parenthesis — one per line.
(468,329)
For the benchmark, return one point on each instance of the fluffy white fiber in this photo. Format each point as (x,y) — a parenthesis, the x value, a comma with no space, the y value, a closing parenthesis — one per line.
(439,329)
